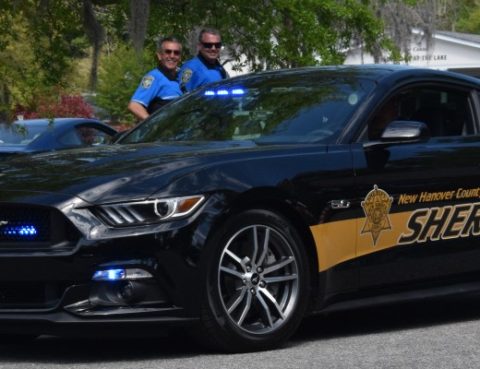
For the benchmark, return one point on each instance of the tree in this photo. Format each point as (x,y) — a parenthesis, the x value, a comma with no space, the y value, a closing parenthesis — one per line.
(120,74)
(468,17)
(96,36)
(258,34)
(400,17)
(39,41)
(262,34)
(139,14)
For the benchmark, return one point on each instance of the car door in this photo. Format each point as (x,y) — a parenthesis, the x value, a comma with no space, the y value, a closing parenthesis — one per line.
(419,202)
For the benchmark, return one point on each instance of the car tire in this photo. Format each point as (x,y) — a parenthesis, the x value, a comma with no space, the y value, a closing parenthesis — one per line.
(257,279)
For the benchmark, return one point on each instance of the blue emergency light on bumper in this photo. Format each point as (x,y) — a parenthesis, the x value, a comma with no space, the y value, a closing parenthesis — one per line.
(118,274)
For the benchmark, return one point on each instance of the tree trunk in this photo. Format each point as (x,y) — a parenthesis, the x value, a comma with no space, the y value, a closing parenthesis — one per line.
(139,13)
(4,102)
(96,36)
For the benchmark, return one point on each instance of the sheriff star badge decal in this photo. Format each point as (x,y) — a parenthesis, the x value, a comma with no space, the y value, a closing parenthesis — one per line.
(376,207)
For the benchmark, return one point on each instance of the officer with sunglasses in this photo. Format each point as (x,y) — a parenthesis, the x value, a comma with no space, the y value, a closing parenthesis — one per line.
(205,67)
(160,85)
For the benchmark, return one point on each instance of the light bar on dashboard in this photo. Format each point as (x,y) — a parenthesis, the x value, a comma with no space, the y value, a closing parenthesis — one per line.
(225,92)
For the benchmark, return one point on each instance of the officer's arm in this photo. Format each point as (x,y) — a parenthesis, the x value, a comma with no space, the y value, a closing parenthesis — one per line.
(138,110)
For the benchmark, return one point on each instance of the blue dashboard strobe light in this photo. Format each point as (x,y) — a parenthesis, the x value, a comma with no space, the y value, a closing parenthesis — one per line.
(238,91)
(225,92)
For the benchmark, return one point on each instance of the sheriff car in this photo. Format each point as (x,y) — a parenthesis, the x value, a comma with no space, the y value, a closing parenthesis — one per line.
(242,207)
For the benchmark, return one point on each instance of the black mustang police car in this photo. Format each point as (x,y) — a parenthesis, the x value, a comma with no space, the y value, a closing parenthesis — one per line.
(247,204)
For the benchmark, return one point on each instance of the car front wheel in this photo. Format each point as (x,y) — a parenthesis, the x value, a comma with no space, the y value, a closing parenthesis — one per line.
(257,279)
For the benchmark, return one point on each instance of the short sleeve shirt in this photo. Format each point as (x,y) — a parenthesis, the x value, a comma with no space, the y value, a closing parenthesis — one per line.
(156,85)
(195,73)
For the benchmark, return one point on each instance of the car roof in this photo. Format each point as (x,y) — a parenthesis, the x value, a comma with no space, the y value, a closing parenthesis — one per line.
(375,72)
(57,121)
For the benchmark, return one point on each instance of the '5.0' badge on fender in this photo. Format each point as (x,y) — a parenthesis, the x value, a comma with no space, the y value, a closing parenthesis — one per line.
(376,206)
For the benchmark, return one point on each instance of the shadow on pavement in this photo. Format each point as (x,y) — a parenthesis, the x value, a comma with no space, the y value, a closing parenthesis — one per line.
(179,346)
(400,316)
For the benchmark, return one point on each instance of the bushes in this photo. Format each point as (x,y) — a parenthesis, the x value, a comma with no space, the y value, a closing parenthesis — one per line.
(64,106)
(119,76)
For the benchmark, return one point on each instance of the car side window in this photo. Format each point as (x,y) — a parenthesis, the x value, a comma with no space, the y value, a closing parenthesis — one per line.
(445,112)
(70,138)
(84,135)
(90,136)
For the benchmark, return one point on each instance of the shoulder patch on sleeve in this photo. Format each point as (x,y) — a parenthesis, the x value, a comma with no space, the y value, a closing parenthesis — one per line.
(147,81)
(186,75)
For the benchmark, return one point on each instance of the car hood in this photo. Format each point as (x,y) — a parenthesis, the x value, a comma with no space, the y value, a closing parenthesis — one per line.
(116,172)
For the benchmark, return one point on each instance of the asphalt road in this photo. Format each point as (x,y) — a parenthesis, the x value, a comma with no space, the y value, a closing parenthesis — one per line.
(436,334)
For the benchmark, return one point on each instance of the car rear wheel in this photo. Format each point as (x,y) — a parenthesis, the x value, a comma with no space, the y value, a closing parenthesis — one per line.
(257,279)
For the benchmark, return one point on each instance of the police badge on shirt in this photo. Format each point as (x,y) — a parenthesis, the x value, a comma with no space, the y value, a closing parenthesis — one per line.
(187,74)
(147,81)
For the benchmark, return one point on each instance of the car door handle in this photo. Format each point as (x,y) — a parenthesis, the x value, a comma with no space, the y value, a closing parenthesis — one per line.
(339,204)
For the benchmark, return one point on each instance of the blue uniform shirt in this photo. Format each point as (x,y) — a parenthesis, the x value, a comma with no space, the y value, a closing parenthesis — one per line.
(196,72)
(155,89)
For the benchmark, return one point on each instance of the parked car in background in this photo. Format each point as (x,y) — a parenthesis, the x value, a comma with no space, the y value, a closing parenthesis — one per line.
(38,135)
(249,203)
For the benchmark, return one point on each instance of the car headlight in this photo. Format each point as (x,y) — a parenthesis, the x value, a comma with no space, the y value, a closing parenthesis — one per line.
(138,213)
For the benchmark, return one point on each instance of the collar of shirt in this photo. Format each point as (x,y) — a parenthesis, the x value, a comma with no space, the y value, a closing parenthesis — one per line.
(167,73)
(216,65)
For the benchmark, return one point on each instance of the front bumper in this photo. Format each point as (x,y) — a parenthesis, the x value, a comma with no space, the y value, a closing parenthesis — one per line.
(57,295)
(47,288)
(63,323)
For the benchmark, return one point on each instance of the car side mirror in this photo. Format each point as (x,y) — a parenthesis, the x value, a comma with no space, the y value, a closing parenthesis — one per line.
(405,131)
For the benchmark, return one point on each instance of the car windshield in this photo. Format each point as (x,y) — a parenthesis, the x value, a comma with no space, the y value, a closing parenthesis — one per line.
(19,134)
(284,109)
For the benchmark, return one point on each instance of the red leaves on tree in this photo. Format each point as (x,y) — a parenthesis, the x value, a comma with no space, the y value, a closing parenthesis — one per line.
(66,106)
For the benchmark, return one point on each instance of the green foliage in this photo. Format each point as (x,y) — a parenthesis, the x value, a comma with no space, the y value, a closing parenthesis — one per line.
(38,43)
(265,34)
(119,76)
(6,22)
(53,29)
(469,17)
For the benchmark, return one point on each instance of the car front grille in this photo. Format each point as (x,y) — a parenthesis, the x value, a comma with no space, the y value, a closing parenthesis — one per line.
(26,229)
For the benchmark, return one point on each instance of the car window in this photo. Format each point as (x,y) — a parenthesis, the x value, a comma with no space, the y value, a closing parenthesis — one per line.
(19,134)
(92,136)
(290,109)
(85,135)
(445,111)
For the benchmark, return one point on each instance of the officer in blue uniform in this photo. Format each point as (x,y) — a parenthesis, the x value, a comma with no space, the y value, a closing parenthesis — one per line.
(160,85)
(205,67)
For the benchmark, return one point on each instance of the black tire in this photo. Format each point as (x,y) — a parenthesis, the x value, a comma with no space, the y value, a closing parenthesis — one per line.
(256,293)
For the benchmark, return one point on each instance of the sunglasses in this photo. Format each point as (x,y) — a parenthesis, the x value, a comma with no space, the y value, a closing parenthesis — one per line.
(210,45)
(170,52)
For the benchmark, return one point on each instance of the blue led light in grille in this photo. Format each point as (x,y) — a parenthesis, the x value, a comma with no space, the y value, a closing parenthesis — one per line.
(26,230)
